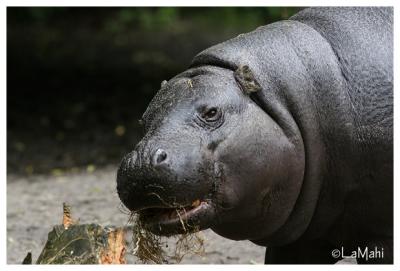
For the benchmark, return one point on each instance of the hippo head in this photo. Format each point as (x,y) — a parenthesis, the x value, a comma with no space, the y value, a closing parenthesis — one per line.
(212,158)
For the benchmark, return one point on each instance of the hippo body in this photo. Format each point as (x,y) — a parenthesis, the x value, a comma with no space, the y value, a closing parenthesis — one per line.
(282,136)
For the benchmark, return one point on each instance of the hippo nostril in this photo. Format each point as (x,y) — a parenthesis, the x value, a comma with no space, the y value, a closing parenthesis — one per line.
(159,157)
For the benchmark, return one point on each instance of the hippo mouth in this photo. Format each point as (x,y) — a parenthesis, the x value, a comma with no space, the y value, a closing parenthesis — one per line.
(196,216)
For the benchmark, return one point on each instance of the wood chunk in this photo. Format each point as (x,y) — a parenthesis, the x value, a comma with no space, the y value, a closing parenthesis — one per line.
(71,243)
(67,217)
(114,253)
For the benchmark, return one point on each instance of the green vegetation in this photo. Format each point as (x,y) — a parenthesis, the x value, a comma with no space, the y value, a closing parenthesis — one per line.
(153,18)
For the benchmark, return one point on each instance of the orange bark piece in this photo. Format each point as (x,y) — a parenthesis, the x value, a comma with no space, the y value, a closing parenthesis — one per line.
(67,217)
(114,253)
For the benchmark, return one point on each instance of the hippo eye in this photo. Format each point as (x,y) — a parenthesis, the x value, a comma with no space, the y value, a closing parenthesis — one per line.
(210,115)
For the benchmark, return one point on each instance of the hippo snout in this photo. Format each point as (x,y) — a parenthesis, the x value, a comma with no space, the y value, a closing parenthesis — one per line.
(139,183)
(150,182)
(125,181)
(155,178)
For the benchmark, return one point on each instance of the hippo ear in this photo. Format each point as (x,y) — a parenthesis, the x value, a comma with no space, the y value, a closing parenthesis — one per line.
(246,80)
(164,83)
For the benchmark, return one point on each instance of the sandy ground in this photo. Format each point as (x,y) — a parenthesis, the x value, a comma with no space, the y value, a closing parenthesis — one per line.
(34,205)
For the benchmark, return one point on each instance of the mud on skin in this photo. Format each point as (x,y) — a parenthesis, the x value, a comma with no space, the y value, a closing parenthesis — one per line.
(282,136)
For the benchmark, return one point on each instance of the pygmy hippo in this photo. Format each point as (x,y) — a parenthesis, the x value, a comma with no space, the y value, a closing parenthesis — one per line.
(282,136)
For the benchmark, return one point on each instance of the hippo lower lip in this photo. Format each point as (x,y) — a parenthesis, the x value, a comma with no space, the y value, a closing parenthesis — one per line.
(169,221)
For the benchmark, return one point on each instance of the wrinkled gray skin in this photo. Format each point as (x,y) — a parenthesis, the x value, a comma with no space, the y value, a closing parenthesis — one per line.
(285,132)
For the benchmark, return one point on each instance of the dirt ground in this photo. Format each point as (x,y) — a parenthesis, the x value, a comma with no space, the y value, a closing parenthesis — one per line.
(34,205)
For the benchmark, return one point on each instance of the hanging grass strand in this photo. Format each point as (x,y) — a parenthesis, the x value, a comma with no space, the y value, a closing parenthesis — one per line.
(149,248)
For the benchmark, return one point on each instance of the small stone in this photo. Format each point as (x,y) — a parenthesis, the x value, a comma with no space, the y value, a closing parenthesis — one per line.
(29,169)
(90,168)
(19,146)
(120,130)
(57,172)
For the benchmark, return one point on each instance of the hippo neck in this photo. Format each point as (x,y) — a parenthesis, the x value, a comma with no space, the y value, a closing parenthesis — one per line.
(304,92)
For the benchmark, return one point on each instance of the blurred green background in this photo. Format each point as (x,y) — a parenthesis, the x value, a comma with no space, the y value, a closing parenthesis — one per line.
(78,79)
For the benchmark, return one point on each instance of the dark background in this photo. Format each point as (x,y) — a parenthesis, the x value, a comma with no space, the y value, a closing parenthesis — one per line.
(78,79)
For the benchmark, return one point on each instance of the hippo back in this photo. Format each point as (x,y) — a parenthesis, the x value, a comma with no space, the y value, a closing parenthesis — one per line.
(362,40)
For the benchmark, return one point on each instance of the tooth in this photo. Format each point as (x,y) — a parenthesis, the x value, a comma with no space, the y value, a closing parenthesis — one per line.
(196,203)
